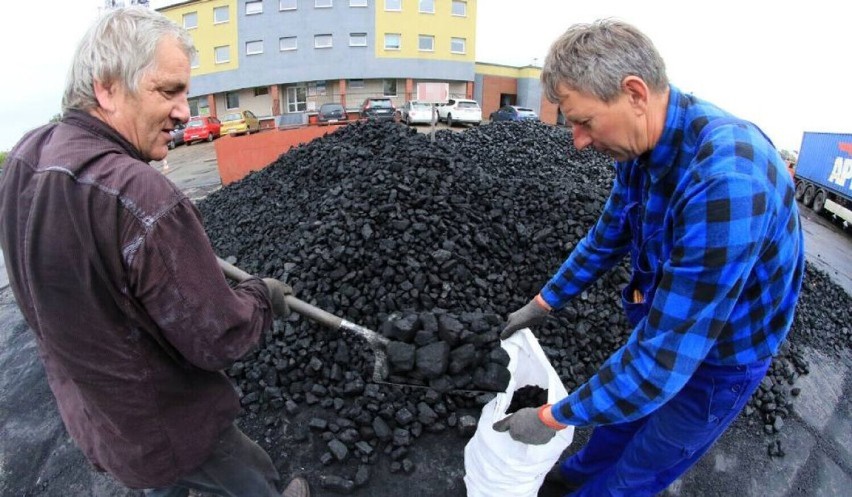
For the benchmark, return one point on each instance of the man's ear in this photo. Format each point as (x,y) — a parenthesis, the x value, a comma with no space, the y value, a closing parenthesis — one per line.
(637,92)
(105,95)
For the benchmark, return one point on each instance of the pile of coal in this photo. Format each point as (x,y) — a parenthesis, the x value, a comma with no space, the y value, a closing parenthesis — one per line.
(445,353)
(378,225)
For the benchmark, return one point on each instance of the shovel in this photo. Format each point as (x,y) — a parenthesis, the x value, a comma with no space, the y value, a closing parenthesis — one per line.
(377,342)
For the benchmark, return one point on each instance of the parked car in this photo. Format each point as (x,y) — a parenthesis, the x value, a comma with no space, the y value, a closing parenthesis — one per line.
(177,136)
(414,112)
(378,108)
(460,110)
(331,113)
(239,122)
(202,128)
(514,113)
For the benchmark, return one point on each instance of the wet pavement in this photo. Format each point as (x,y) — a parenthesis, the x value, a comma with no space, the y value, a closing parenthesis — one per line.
(38,458)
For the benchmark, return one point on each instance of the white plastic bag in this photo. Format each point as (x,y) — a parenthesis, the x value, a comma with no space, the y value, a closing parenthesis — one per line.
(494,463)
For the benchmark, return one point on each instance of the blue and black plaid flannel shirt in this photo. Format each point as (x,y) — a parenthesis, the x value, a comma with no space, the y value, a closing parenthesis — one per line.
(729,284)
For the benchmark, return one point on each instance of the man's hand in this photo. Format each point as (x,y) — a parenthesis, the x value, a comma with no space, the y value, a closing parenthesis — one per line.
(526,426)
(533,313)
(277,292)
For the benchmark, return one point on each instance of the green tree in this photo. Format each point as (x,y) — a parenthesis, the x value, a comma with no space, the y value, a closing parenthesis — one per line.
(56,118)
(3,155)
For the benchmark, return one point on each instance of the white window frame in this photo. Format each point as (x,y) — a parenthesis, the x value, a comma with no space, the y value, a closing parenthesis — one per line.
(226,9)
(254,7)
(195,60)
(216,52)
(462,4)
(252,47)
(319,38)
(421,39)
(356,84)
(453,42)
(398,40)
(420,7)
(358,3)
(355,37)
(293,102)
(391,8)
(282,7)
(288,49)
(395,88)
(187,16)
(323,4)
(236,95)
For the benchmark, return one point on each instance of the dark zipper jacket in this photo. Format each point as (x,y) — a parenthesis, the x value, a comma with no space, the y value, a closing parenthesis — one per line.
(133,319)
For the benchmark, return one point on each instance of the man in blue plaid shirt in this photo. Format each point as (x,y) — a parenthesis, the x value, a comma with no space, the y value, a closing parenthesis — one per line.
(703,204)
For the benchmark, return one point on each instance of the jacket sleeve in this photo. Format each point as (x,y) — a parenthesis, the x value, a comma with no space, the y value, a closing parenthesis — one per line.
(601,249)
(177,279)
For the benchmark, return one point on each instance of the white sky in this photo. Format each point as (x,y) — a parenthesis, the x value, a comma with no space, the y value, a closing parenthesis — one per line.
(782,65)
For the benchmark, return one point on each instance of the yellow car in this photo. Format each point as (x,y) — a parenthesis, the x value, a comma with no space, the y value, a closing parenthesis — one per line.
(239,122)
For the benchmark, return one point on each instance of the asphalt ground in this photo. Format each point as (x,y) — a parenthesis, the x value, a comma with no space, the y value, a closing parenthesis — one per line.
(38,458)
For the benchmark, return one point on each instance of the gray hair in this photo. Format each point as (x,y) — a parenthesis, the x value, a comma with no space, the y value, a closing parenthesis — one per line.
(595,58)
(119,47)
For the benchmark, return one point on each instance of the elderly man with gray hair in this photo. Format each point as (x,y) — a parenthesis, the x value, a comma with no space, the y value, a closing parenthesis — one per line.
(110,265)
(703,205)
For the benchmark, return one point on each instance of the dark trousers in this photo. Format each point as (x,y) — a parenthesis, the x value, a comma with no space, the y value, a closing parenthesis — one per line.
(645,456)
(237,467)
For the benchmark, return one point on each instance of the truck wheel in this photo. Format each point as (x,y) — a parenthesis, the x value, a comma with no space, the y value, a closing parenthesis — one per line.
(800,190)
(819,201)
(808,198)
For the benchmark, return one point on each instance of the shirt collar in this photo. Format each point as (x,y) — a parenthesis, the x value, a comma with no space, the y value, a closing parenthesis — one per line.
(94,125)
(663,154)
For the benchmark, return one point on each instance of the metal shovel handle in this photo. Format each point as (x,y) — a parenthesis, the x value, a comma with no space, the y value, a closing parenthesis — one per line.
(296,305)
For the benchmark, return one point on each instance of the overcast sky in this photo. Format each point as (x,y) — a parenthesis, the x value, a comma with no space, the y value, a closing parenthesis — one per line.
(782,65)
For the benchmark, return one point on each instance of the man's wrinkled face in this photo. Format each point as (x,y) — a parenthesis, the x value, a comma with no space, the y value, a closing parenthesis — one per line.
(612,128)
(146,118)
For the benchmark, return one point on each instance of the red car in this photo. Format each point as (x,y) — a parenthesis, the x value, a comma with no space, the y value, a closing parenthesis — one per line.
(202,128)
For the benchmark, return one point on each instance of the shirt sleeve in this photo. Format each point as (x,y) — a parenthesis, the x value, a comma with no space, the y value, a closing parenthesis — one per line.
(601,249)
(718,227)
(176,277)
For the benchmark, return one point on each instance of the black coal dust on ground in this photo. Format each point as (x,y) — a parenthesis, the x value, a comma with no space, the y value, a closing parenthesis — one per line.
(433,244)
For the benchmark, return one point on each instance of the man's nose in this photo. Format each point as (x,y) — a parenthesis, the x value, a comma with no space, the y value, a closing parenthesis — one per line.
(581,138)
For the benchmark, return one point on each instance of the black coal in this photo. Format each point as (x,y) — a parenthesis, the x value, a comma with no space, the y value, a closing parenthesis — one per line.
(433,244)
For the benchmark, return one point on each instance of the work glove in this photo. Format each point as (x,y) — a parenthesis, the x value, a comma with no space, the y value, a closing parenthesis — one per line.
(532,313)
(277,291)
(526,426)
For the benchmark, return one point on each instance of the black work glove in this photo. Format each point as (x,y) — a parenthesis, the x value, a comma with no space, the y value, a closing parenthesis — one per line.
(526,427)
(528,315)
(277,291)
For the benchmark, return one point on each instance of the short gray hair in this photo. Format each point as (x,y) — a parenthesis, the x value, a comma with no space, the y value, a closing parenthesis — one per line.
(595,58)
(119,47)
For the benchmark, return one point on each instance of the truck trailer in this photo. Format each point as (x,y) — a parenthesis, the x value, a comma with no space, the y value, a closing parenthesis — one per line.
(823,173)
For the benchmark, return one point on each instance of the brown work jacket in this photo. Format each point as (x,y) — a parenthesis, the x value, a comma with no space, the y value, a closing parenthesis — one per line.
(133,318)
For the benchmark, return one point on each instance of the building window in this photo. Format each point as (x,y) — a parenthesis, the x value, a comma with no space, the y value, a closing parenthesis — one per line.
(287,5)
(427,6)
(426,43)
(323,4)
(458,45)
(322,41)
(190,20)
(460,8)
(356,84)
(261,90)
(287,43)
(222,54)
(254,7)
(232,100)
(393,4)
(392,41)
(199,107)
(357,39)
(193,61)
(221,14)
(357,3)
(389,87)
(296,98)
(254,47)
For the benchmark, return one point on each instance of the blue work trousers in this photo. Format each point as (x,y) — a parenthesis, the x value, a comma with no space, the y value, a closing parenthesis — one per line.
(645,456)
